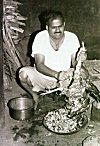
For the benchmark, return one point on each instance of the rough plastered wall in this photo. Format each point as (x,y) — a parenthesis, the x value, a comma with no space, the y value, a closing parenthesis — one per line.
(81,16)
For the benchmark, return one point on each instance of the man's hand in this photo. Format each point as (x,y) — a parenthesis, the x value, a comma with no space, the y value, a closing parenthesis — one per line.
(82,55)
(65,77)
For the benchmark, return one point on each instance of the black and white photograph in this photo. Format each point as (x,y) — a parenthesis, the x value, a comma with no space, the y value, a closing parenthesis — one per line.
(50,73)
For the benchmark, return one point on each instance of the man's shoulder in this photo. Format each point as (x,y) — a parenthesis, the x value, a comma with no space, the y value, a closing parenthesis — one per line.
(42,33)
(71,34)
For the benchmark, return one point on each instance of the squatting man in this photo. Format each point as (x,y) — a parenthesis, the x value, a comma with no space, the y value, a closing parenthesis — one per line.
(54,50)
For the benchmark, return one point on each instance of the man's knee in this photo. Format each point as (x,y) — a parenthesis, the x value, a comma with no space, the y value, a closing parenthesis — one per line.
(22,75)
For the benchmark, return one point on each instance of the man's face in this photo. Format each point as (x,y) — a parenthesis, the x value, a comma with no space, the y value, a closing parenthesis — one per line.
(56,29)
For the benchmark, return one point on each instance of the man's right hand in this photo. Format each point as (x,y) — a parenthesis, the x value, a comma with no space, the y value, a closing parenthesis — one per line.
(65,78)
(64,75)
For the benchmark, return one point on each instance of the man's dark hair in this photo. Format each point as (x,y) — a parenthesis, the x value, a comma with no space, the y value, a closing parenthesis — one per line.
(51,15)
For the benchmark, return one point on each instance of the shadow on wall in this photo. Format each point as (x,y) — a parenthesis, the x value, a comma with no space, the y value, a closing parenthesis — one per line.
(92,42)
(81,17)
(42,18)
(29,47)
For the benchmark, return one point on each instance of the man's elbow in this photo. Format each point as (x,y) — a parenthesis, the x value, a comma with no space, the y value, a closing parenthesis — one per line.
(38,67)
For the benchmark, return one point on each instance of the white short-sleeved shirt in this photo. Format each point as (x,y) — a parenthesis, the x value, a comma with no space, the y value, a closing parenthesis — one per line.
(57,60)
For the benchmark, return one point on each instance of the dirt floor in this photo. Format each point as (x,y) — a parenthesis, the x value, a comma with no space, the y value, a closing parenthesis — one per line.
(33,133)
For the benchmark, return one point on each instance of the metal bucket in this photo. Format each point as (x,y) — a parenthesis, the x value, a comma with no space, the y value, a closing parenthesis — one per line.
(21,108)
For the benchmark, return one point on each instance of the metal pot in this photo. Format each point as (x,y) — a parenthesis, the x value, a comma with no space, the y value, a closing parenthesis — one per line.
(21,108)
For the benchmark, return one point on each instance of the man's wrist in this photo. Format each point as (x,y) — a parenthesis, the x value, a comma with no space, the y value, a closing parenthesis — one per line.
(57,75)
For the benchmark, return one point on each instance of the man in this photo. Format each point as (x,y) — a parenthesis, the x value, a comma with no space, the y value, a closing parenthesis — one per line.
(54,50)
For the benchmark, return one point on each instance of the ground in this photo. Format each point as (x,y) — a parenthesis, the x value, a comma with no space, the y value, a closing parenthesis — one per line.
(33,133)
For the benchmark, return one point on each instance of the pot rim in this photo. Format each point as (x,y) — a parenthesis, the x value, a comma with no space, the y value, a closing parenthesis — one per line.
(9,103)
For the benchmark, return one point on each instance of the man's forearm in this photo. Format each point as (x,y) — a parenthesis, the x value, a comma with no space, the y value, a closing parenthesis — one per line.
(46,71)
